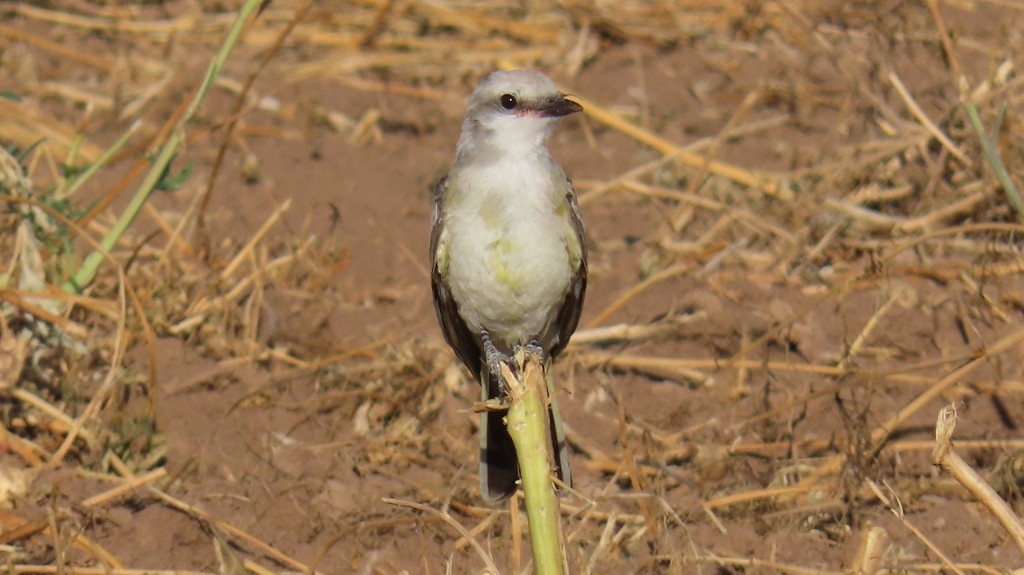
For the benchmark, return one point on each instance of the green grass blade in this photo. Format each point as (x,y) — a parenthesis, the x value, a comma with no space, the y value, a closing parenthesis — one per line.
(988,147)
(87,272)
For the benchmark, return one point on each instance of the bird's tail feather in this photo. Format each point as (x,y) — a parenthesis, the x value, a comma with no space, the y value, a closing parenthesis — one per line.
(558,441)
(499,469)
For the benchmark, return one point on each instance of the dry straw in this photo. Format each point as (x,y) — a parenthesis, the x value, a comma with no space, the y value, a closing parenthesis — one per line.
(889,200)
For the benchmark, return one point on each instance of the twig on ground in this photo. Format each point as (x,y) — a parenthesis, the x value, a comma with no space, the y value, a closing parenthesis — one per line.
(926,121)
(449,520)
(765,182)
(945,457)
(125,487)
(896,507)
(231,530)
(874,542)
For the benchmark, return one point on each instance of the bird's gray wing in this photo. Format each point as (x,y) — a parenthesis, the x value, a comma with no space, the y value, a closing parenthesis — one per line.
(499,470)
(560,329)
(568,315)
(458,335)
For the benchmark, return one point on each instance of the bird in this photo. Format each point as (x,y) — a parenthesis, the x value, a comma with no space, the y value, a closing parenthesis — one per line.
(508,253)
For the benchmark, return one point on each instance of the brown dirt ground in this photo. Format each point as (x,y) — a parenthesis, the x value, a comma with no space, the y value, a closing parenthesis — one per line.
(804,316)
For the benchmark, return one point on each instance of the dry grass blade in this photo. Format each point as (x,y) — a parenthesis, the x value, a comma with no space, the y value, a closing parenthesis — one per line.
(828,256)
(765,182)
(919,114)
(106,388)
(984,355)
(773,566)
(450,521)
(874,543)
(632,333)
(129,485)
(73,20)
(747,497)
(73,570)
(22,300)
(243,93)
(896,508)
(231,530)
(246,252)
(881,433)
(636,290)
(64,422)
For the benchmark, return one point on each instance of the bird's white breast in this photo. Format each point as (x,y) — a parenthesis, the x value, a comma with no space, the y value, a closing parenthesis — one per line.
(508,263)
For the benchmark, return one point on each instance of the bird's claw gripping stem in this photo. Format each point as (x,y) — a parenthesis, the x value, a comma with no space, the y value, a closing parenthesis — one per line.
(531,349)
(495,358)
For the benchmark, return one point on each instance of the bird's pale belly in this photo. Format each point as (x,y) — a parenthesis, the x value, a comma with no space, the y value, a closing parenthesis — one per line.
(510,282)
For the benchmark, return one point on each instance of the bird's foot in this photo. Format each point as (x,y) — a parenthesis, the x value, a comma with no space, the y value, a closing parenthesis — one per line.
(530,350)
(495,358)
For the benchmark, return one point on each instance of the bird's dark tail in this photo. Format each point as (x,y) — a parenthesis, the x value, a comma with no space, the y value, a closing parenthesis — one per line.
(557,427)
(499,470)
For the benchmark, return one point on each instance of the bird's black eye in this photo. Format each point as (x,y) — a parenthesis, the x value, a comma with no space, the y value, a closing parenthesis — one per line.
(508,101)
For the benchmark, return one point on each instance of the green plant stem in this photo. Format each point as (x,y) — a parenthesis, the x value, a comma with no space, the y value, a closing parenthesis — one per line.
(87,271)
(994,159)
(99,163)
(527,422)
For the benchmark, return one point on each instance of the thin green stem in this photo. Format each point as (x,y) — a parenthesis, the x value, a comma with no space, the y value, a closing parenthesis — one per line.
(99,163)
(988,147)
(87,272)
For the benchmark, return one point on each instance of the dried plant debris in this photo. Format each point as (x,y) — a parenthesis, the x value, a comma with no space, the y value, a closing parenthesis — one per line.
(804,241)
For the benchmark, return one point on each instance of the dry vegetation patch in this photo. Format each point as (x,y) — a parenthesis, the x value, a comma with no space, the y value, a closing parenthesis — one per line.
(805,230)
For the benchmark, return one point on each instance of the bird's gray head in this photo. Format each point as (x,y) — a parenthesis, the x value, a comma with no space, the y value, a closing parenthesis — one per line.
(513,111)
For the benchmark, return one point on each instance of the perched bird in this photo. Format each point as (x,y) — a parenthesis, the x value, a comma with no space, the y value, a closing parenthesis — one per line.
(508,255)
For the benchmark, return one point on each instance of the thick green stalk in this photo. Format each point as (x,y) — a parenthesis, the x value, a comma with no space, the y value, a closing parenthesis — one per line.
(528,422)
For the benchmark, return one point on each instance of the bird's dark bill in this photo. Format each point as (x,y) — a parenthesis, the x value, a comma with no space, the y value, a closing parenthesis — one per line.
(559,107)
